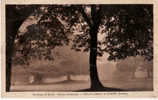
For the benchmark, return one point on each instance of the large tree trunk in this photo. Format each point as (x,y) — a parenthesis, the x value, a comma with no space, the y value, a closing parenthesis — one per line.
(95,83)
(11,31)
(8,73)
(12,27)
(13,22)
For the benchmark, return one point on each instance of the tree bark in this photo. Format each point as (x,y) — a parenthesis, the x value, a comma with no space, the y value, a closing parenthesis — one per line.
(11,31)
(95,83)
(94,78)
(8,73)
(13,22)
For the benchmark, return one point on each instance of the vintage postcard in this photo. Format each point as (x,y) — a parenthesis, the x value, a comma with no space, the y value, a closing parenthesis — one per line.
(79,48)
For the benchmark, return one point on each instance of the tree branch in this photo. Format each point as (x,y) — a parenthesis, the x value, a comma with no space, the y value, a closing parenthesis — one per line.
(81,10)
(97,15)
(85,16)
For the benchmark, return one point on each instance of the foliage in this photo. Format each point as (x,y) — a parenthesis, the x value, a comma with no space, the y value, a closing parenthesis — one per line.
(129,34)
(38,42)
(123,30)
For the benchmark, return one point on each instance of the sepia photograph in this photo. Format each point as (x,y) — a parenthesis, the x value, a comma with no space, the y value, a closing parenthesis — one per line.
(79,48)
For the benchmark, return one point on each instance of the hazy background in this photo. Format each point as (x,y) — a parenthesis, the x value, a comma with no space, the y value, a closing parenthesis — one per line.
(70,71)
(54,73)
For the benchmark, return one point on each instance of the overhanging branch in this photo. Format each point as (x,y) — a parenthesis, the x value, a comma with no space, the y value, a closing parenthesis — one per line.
(85,16)
(81,10)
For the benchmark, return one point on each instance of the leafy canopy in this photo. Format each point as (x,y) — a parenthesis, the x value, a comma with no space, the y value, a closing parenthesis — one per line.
(127,30)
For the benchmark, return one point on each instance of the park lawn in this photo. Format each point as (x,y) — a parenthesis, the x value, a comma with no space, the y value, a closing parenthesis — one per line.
(75,85)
